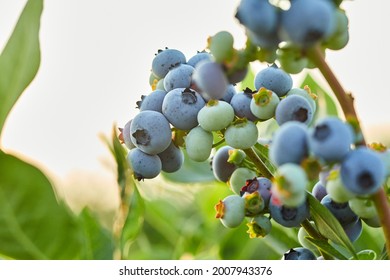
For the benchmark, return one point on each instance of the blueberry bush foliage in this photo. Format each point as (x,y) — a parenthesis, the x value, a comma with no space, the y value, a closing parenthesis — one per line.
(220,161)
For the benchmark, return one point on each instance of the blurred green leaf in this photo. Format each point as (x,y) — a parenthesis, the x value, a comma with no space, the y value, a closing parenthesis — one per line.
(134,219)
(368,255)
(98,242)
(248,81)
(324,246)
(119,152)
(326,104)
(20,59)
(33,224)
(328,225)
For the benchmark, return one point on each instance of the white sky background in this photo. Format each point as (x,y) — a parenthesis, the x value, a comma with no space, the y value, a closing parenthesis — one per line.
(96,60)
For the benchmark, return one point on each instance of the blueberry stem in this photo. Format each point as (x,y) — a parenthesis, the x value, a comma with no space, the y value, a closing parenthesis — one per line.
(347,104)
(263,169)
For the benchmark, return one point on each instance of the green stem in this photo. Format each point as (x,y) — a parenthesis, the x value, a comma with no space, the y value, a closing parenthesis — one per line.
(259,163)
(347,104)
(315,234)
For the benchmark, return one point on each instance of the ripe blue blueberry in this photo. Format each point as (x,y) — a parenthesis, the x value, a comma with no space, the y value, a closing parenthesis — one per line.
(144,166)
(241,104)
(294,108)
(258,16)
(319,191)
(341,211)
(222,169)
(362,171)
(210,79)
(179,77)
(291,134)
(353,229)
(126,137)
(299,253)
(331,139)
(181,107)
(288,216)
(198,57)
(150,131)
(172,158)
(308,22)
(153,101)
(165,60)
(275,79)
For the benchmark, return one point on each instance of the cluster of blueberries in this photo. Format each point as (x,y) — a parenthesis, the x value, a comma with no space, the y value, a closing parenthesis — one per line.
(195,106)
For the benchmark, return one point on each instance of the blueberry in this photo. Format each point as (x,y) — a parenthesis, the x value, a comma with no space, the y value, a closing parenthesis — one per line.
(341,211)
(179,77)
(353,229)
(294,108)
(275,79)
(364,208)
(239,178)
(264,103)
(166,60)
(127,136)
(259,16)
(308,22)
(172,158)
(290,134)
(288,216)
(331,139)
(241,134)
(216,115)
(231,211)
(299,253)
(150,132)
(210,79)
(241,104)
(229,93)
(289,184)
(222,169)
(260,184)
(362,171)
(319,191)
(221,46)
(260,226)
(199,143)
(181,107)
(144,166)
(307,94)
(198,57)
(153,101)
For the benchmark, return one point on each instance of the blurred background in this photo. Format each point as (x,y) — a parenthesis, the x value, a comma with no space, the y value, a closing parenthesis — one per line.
(96,61)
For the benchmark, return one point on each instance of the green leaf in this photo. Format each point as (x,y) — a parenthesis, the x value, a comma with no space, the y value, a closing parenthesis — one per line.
(324,246)
(248,81)
(20,59)
(33,224)
(119,152)
(367,255)
(328,225)
(134,219)
(262,152)
(98,241)
(326,104)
